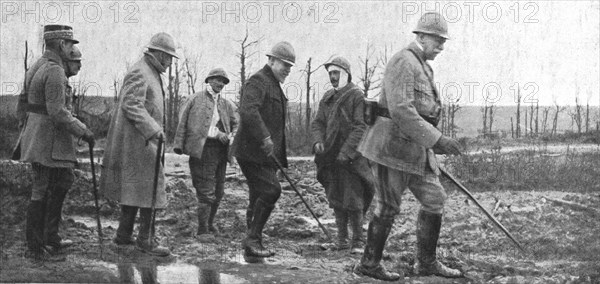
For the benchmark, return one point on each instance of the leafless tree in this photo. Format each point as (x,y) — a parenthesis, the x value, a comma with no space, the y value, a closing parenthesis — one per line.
(369,66)
(576,114)
(245,44)
(518,124)
(192,66)
(545,112)
(174,100)
(309,71)
(557,110)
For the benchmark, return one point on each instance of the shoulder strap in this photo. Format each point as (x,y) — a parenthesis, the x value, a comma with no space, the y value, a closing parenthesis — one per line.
(340,100)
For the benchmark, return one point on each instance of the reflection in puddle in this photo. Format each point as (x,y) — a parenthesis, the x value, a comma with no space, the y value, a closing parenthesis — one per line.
(172,273)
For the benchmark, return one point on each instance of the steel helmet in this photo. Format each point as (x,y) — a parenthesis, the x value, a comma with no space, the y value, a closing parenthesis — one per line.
(339,62)
(75,54)
(217,72)
(284,52)
(163,42)
(434,24)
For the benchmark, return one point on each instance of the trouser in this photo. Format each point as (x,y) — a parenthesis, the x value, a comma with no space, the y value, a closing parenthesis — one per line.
(262,182)
(427,190)
(208,172)
(50,187)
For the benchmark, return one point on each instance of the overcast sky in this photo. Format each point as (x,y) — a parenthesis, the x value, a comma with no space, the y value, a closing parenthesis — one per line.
(548,49)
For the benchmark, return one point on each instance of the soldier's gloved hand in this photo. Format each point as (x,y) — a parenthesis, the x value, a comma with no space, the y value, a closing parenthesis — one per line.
(159,135)
(88,137)
(222,136)
(268,146)
(343,158)
(319,148)
(178,151)
(447,145)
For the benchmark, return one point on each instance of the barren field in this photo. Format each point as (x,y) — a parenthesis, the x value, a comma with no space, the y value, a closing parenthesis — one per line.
(559,229)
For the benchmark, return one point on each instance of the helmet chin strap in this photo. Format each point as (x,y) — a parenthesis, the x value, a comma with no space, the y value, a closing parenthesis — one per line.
(343,81)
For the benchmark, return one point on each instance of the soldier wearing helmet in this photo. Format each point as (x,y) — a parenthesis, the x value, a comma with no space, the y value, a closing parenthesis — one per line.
(46,141)
(206,127)
(260,139)
(341,169)
(132,143)
(401,144)
(73,64)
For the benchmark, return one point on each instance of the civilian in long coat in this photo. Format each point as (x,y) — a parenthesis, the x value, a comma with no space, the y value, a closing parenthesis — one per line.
(260,139)
(46,140)
(130,155)
(343,171)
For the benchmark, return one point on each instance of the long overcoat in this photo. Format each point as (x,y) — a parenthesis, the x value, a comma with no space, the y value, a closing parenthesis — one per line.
(128,168)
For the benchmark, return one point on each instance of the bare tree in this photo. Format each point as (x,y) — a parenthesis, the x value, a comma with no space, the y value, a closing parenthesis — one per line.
(369,67)
(576,114)
(173,101)
(484,110)
(518,124)
(453,108)
(545,112)
(491,117)
(557,110)
(192,63)
(245,54)
(309,71)
(537,117)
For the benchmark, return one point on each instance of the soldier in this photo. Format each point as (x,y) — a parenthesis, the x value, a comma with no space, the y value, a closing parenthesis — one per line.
(342,170)
(207,125)
(260,139)
(46,140)
(402,145)
(131,146)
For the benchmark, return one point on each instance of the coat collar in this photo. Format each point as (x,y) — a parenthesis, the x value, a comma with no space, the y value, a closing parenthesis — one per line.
(53,56)
(415,48)
(150,59)
(328,97)
(269,72)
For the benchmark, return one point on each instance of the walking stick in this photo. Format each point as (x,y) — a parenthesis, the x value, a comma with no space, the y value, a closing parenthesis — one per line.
(488,214)
(100,235)
(156,170)
(302,198)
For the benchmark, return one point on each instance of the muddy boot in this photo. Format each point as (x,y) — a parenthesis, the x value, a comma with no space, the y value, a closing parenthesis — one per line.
(144,241)
(34,233)
(211,218)
(428,232)
(203,234)
(370,264)
(126,223)
(358,240)
(341,222)
(253,243)
(53,218)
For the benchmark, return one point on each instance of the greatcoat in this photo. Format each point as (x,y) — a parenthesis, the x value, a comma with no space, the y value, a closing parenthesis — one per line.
(128,168)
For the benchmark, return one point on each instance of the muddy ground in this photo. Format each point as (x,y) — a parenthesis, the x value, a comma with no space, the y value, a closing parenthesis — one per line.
(562,241)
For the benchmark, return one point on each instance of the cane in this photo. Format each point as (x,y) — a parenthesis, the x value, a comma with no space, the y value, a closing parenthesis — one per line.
(156,171)
(302,198)
(488,214)
(100,236)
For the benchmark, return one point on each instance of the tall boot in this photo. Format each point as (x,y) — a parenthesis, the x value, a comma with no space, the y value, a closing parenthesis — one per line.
(54,217)
(428,232)
(253,242)
(211,218)
(34,232)
(144,243)
(341,222)
(358,240)
(203,214)
(126,223)
(370,264)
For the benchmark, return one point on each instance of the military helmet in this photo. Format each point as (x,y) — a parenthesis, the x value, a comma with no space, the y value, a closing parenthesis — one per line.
(75,54)
(284,52)
(434,24)
(339,62)
(163,42)
(217,72)
(59,32)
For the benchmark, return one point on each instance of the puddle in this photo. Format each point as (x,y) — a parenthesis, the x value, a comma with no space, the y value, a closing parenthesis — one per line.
(149,272)
(90,222)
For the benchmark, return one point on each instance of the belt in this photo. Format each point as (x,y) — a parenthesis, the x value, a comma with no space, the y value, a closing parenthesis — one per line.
(384,112)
